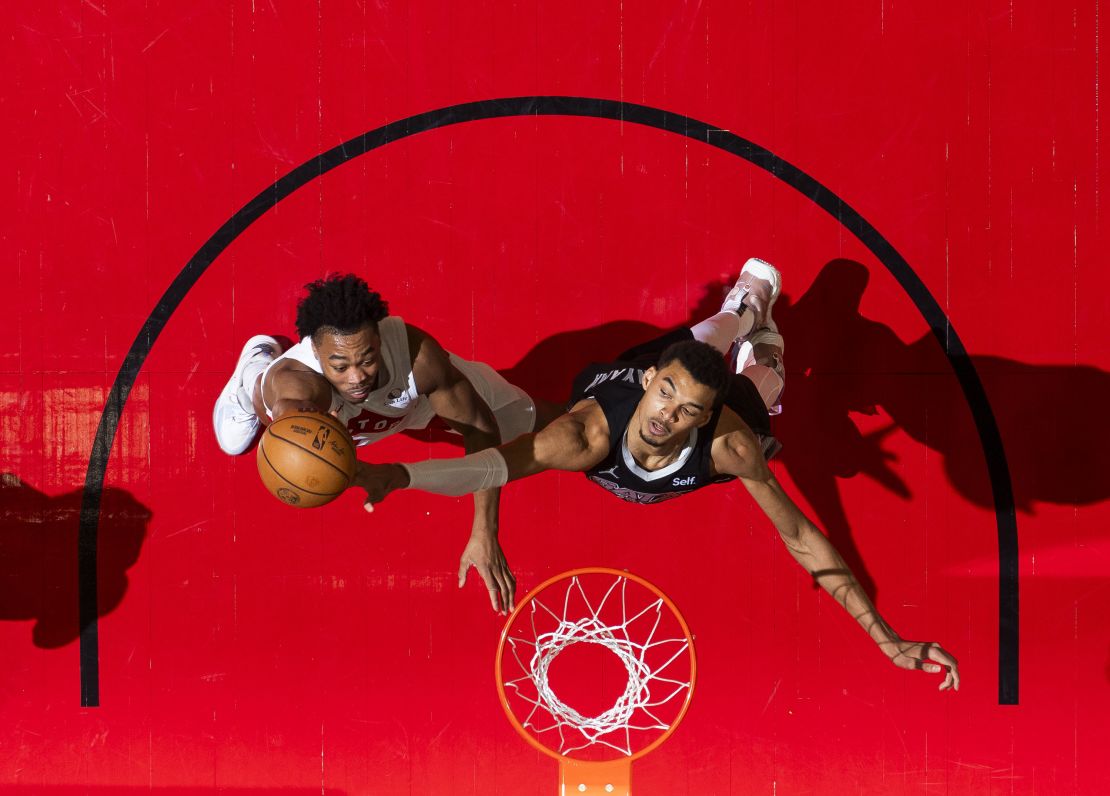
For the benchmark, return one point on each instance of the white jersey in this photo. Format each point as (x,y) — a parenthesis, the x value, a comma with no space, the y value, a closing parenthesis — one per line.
(397,405)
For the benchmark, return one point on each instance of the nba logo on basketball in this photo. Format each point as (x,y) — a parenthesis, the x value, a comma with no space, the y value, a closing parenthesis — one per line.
(321,437)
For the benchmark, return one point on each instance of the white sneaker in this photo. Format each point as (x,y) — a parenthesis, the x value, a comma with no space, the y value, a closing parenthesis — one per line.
(233,417)
(755,291)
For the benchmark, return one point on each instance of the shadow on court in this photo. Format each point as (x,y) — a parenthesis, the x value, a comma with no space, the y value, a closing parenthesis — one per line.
(841,364)
(38,556)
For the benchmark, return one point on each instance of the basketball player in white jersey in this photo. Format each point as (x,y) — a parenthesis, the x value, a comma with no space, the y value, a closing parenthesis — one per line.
(379,375)
(668,418)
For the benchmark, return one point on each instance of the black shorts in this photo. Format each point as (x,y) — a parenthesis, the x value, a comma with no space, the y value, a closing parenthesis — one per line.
(742,396)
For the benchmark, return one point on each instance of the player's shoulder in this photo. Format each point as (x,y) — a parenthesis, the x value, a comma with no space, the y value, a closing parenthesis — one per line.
(736,448)
(431,364)
(289,368)
(576,440)
(423,346)
(589,422)
(291,379)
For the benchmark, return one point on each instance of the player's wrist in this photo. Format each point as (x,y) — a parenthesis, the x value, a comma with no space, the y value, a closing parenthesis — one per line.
(399,476)
(889,641)
(361,476)
(483,529)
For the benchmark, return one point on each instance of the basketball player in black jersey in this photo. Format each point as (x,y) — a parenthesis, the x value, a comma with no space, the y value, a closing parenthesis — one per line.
(668,418)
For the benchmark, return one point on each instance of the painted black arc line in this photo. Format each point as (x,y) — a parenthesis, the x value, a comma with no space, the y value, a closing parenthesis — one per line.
(989,437)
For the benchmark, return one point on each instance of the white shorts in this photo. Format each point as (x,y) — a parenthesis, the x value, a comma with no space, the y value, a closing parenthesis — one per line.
(513,409)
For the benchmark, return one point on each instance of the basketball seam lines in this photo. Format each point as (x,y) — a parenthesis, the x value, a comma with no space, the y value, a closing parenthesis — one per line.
(270,431)
(262,447)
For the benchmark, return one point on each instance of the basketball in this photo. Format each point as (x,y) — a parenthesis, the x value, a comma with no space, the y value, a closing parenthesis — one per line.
(306,459)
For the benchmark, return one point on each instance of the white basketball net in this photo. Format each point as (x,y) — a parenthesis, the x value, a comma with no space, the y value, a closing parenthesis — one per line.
(645,661)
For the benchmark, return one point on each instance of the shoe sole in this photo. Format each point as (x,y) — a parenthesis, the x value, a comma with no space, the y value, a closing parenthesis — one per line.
(761,269)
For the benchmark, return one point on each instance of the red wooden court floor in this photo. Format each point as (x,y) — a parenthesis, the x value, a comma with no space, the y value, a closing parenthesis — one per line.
(244,647)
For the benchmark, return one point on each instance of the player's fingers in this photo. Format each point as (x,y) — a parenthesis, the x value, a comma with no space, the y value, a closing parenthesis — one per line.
(953,679)
(914,662)
(492,586)
(368,506)
(939,660)
(505,589)
(910,659)
(510,590)
(941,655)
(464,565)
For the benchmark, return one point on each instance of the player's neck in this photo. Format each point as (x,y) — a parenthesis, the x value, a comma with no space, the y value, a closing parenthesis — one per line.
(650,457)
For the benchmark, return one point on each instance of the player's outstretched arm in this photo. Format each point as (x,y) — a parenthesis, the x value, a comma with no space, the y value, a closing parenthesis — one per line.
(454,399)
(737,453)
(292,388)
(573,442)
(452,396)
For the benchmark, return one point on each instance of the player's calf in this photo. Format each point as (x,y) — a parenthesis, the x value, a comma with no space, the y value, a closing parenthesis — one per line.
(759,358)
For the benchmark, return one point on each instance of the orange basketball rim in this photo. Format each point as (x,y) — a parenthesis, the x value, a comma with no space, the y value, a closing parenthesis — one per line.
(629,623)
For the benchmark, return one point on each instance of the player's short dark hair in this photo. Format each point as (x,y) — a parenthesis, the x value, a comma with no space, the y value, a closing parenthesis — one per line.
(703,362)
(343,302)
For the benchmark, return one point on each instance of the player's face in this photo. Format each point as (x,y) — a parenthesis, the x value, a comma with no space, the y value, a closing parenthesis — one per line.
(350,361)
(673,404)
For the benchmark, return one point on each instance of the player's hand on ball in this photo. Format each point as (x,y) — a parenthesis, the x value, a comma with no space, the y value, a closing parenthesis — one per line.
(483,552)
(378,480)
(925,656)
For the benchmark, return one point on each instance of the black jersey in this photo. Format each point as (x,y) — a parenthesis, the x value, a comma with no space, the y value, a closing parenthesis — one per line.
(617,389)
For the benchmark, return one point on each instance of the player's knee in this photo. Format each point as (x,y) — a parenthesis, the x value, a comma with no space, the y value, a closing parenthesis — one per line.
(767,380)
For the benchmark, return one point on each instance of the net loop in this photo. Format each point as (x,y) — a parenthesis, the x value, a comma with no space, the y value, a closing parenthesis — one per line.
(646,662)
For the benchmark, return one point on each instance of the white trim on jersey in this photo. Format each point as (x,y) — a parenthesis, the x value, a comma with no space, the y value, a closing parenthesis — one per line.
(655,475)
